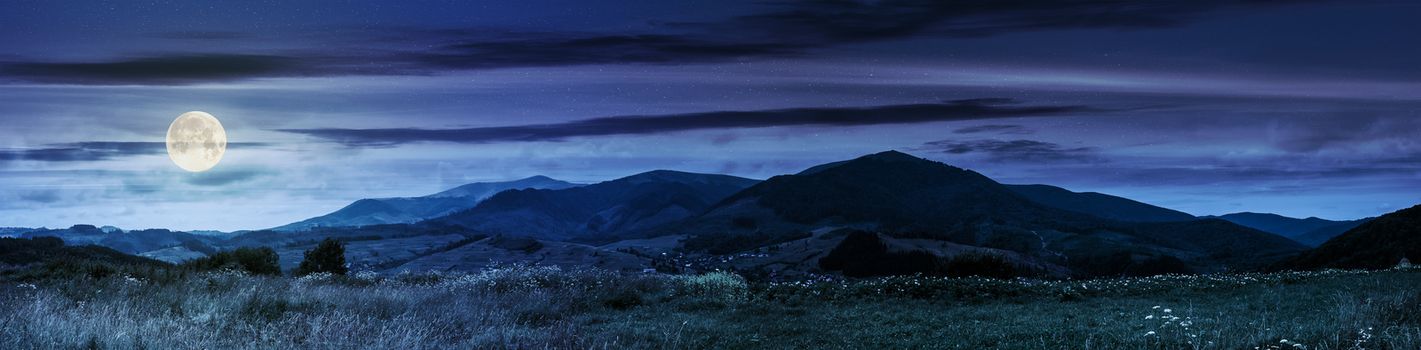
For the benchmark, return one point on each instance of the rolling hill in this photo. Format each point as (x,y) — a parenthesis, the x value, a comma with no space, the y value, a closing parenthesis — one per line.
(375,211)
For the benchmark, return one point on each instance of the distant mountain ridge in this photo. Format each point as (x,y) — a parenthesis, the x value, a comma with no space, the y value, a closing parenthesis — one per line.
(1311,231)
(377,211)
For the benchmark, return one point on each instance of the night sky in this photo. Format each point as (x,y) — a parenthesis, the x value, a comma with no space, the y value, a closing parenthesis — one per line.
(1210,107)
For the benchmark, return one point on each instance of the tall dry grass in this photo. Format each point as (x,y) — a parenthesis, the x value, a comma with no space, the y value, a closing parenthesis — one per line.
(546,307)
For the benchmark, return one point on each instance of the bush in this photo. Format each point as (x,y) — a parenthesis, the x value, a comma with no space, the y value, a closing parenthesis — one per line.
(257,261)
(328,257)
(723,287)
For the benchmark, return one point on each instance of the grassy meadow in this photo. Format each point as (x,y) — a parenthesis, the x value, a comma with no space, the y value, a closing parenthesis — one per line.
(546,307)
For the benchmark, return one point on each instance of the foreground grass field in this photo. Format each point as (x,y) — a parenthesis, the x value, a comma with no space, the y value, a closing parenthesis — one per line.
(542,307)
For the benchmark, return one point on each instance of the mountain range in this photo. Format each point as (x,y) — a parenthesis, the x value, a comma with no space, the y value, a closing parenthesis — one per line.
(907,197)
(887,212)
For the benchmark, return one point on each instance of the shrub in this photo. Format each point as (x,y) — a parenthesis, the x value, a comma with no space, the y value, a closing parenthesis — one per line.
(257,261)
(722,287)
(328,256)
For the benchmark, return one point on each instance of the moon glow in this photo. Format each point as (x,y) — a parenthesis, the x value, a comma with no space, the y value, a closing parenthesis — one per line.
(196,141)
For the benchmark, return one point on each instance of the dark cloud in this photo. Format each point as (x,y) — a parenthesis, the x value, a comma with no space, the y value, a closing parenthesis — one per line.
(1395,134)
(835,21)
(95,151)
(624,125)
(220,177)
(996,128)
(1016,150)
(160,70)
(789,29)
(793,29)
(612,49)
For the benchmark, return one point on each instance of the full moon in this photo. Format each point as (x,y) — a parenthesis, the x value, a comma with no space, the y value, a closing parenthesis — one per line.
(196,141)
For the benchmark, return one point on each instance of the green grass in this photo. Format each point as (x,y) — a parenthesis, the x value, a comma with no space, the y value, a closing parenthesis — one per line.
(540,307)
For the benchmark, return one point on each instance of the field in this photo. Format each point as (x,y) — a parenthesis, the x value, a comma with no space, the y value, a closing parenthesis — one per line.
(544,307)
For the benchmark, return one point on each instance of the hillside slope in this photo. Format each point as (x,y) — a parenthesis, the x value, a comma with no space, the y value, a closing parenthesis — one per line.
(1098,204)
(1379,243)
(630,204)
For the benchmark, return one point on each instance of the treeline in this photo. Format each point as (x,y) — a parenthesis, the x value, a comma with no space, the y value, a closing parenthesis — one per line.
(326,257)
(41,258)
(863,254)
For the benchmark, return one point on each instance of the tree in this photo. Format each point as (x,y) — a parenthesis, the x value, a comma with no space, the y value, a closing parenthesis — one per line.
(328,256)
(257,261)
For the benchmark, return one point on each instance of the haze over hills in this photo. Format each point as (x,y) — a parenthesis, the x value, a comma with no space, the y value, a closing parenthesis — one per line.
(131,242)
(1311,231)
(375,211)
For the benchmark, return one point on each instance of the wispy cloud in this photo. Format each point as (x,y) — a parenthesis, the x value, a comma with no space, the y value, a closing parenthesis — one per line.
(996,128)
(221,177)
(1016,150)
(160,70)
(627,125)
